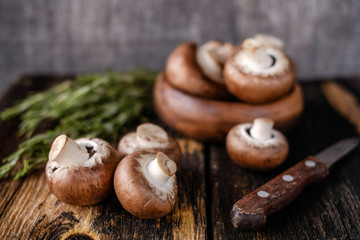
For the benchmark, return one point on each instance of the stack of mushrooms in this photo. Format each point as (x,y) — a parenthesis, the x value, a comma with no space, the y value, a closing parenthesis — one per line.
(142,171)
(205,91)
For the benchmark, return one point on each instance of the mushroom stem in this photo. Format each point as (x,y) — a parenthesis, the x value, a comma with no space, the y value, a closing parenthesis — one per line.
(262,56)
(263,59)
(261,129)
(161,168)
(149,135)
(66,152)
(211,57)
(258,58)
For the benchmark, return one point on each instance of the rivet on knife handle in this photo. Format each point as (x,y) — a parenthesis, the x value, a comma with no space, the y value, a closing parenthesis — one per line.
(251,211)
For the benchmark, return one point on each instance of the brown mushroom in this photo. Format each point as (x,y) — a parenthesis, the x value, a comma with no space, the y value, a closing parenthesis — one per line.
(81,172)
(145,184)
(211,120)
(184,73)
(260,71)
(257,146)
(211,58)
(150,137)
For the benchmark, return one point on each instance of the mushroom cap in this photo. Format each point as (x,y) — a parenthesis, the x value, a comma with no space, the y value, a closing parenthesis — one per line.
(183,72)
(255,154)
(87,183)
(211,120)
(211,56)
(254,88)
(171,148)
(137,193)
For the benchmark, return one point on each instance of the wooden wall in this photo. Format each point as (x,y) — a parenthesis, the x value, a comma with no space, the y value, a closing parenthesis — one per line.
(72,36)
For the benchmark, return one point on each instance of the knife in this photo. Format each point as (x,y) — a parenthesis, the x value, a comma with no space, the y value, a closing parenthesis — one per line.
(251,211)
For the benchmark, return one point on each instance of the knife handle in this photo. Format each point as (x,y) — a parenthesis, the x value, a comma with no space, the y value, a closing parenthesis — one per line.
(251,211)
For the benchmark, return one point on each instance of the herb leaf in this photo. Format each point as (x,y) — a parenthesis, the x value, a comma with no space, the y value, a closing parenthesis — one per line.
(98,105)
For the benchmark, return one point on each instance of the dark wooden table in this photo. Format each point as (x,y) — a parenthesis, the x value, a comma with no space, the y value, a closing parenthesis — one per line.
(209,184)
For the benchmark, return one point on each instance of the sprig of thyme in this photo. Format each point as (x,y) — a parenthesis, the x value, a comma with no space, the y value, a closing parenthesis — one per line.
(98,105)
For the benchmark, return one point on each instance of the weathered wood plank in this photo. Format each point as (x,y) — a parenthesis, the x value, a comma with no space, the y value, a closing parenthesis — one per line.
(326,210)
(30,211)
(8,138)
(35,213)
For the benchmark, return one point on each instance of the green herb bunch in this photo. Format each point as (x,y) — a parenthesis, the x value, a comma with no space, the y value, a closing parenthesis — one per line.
(97,105)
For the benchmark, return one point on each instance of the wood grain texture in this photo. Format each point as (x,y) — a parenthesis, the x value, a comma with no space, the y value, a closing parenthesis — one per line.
(9,140)
(209,184)
(325,210)
(28,210)
(89,35)
(35,213)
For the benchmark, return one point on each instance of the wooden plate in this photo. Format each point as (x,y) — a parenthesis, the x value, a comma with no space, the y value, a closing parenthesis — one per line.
(210,120)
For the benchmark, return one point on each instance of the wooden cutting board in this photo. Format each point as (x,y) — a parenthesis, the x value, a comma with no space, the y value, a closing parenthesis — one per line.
(209,184)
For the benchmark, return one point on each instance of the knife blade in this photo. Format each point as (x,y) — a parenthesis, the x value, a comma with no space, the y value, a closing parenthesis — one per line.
(251,211)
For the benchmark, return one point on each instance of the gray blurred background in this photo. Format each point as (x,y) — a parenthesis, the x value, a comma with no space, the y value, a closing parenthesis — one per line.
(76,36)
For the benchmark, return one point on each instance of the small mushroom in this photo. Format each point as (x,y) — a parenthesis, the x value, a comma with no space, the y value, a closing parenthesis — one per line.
(211,58)
(145,184)
(260,71)
(150,137)
(183,72)
(81,172)
(257,146)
